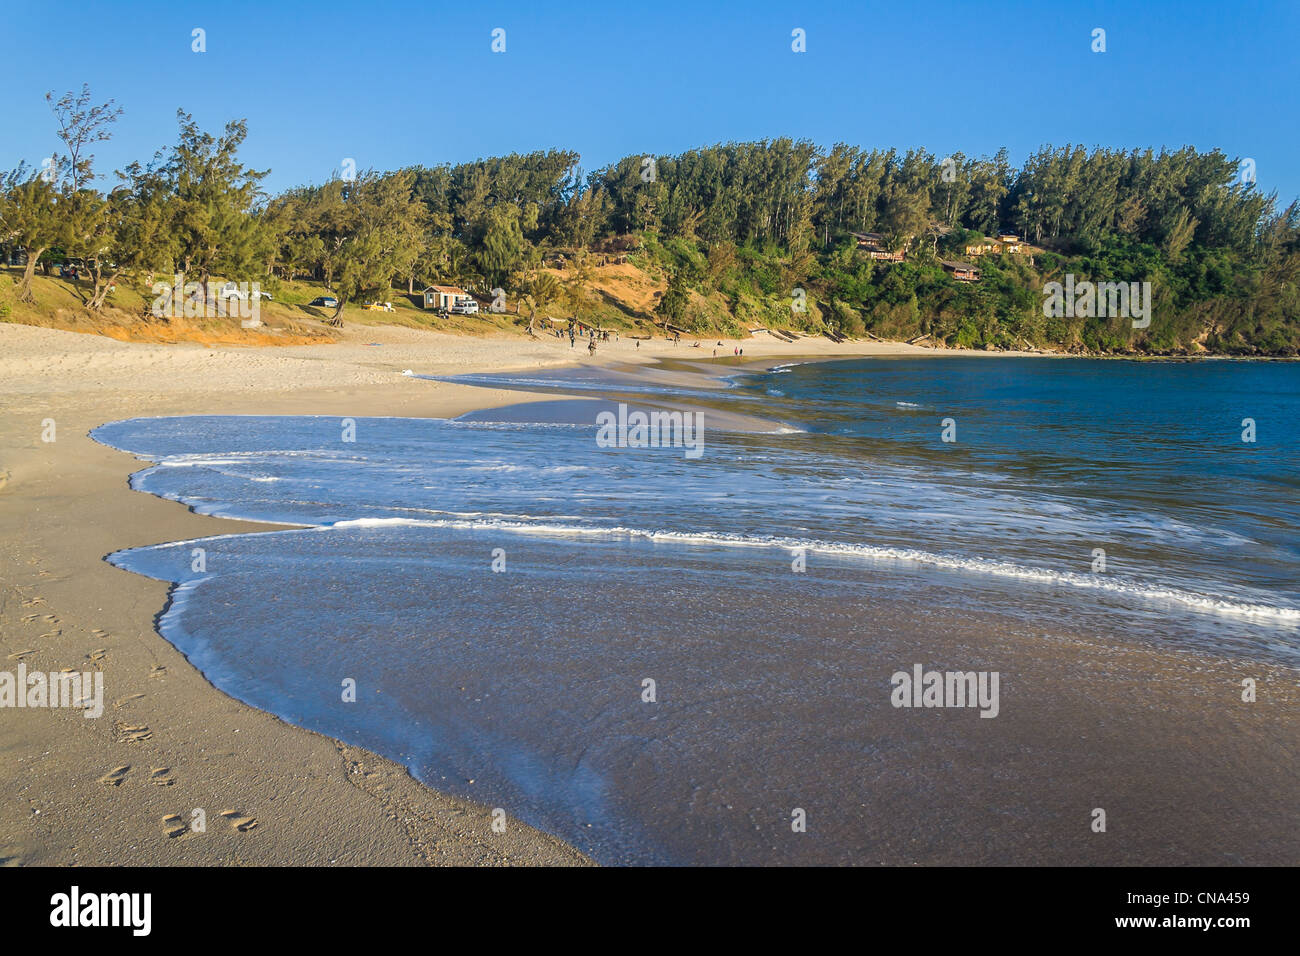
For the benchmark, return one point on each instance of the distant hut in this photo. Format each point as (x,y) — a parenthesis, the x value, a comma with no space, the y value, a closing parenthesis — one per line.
(873,244)
(962,271)
(443,297)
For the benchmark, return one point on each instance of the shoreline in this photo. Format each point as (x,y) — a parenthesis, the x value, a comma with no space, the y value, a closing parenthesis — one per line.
(314,800)
(100,792)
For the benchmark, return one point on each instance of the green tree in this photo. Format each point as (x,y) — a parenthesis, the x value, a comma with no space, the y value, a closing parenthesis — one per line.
(542,290)
(29,220)
(503,244)
(215,196)
(672,306)
(1181,231)
(373,236)
(89,221)
(905,214)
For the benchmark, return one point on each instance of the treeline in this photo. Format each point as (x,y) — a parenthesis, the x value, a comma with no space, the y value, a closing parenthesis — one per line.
(193,210)
(735,229)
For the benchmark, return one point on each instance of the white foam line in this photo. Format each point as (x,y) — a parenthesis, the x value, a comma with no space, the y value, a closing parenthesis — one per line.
(1196,602)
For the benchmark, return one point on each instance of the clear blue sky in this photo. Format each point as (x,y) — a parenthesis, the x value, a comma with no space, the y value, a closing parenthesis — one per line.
(391,84)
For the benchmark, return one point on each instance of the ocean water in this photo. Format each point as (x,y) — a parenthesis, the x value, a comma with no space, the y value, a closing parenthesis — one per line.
(502,589)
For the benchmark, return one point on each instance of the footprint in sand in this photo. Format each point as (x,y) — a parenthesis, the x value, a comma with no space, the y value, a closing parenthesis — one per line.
(99,632)
(43,618)
(161,776)
(127,733)
(19,655)
(33,602)
(173,825)
(57,632)
(122,701)
(158,671)
(97,655)
(115,777)
(238,820)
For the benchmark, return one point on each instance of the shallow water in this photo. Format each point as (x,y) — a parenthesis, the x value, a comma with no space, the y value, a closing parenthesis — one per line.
(622,565)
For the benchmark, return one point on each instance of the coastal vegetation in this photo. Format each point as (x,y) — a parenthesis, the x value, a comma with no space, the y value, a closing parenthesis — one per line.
(780,234)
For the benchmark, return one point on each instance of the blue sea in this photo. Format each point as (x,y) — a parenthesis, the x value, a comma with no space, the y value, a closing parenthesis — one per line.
(656,656)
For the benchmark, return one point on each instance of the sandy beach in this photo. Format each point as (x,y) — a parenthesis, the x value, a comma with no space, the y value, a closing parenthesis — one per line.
(80,792)
(67,799)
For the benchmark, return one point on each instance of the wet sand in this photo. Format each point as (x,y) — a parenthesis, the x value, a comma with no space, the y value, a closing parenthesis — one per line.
(84,792)
(89,792)
(1187,772)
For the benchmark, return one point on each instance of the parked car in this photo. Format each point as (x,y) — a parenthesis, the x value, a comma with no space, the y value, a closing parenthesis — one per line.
(232,291)
(326,300)
(379,307)
(464,306)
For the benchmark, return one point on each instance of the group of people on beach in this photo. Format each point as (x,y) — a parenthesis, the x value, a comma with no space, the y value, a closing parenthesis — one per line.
(592,334)
(677,338)
(575,329)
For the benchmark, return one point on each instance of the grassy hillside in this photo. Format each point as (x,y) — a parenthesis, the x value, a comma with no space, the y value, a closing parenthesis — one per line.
(1202,304)
(288,319)
(621,297)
